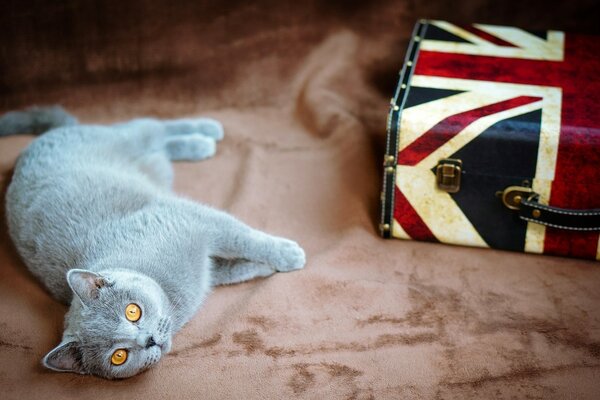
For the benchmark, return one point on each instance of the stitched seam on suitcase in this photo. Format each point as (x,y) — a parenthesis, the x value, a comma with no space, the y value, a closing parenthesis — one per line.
(560,226)
(562,211)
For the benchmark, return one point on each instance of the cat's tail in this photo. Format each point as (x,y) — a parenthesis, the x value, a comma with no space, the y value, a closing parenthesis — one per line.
(34,120)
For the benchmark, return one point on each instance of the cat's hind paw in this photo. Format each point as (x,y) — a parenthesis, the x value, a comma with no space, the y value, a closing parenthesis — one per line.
(211,128)
(204,126)
(194,147)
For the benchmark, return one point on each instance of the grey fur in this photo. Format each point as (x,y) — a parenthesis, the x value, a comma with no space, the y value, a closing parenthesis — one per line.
(35,120)
(91,211)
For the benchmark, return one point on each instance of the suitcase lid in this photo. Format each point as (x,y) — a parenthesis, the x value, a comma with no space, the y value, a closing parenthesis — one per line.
(491,92)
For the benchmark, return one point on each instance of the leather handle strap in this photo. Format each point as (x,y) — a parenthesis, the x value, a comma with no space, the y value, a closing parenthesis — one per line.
(576,220)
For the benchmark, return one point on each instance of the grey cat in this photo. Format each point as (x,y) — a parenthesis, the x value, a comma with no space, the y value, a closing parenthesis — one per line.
(91,211)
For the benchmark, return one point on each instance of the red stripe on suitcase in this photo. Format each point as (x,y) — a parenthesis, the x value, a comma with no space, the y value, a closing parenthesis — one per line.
(577,181)
(448,128)
(410,221)
(496,69)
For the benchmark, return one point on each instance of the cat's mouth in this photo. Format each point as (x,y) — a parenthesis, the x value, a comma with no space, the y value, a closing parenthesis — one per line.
(165,346)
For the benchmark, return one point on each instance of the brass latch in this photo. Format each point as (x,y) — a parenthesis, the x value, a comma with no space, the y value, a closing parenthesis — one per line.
(512,196)
(448,172)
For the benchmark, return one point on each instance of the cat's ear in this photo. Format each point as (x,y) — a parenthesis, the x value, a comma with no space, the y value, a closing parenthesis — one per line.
(66,357)
(85,284)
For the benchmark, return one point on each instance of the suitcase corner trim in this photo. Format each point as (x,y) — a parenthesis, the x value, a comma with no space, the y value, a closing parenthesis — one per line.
(393,129)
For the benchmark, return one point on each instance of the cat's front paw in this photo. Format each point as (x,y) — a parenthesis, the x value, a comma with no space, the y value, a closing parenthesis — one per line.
(289,256)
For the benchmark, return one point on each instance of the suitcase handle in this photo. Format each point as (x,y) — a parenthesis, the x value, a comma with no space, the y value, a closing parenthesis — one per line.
(525,200)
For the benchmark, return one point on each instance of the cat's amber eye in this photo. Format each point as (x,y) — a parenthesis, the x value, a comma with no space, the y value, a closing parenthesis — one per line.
(118,357)
(133,312)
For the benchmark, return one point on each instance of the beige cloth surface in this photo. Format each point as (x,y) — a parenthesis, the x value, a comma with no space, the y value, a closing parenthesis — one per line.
(303,99)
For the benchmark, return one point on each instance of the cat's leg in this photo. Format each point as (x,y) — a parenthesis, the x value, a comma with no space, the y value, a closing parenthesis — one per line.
(143,142)
(232,239)
(157,166)
(281,254)
(229,271)
(191,139)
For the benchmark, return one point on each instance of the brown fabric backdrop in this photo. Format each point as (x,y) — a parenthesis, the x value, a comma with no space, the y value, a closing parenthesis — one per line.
(302,89)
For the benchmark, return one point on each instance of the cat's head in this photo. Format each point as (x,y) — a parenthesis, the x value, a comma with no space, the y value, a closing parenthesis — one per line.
(119,324)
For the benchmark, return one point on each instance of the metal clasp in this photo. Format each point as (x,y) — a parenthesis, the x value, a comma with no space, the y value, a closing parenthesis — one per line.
(447,173)
(512,196)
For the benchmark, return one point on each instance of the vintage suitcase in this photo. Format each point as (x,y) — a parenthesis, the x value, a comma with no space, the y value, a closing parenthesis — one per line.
(494,140)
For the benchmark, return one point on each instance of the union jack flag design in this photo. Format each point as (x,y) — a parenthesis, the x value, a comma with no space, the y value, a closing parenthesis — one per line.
(514,106)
